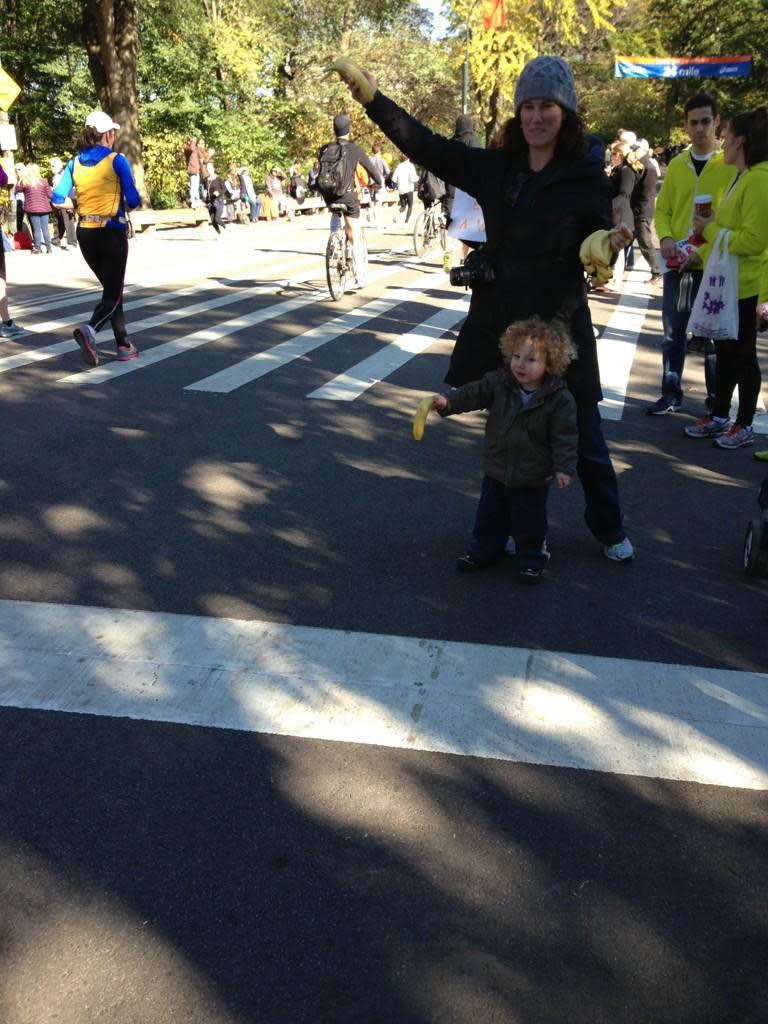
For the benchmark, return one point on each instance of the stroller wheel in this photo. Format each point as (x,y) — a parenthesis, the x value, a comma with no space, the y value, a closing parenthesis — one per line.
(754,555)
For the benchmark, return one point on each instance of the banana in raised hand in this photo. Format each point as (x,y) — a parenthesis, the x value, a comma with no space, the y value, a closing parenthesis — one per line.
(420,419)
(348,70)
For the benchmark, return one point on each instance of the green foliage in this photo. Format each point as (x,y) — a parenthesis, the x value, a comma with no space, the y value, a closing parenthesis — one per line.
(250,77)
(710,29)
(166,169)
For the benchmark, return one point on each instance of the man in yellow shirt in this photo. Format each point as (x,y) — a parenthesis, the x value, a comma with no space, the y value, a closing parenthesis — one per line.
(698,170)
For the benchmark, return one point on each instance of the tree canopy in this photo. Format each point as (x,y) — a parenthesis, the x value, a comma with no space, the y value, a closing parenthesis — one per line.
(249,76)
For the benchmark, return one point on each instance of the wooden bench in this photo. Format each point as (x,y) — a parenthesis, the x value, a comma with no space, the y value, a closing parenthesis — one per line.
(151,220)
(159,220)
(313,203)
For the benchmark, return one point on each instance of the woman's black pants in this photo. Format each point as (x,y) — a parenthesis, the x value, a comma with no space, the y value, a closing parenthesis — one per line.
(105,250)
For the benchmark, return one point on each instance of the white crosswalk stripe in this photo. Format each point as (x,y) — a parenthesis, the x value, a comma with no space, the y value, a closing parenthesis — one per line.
(382,364)
(61,347)
(88,297)
(618,342)
(262,363)
(573,710)
(157,354)
(616,346)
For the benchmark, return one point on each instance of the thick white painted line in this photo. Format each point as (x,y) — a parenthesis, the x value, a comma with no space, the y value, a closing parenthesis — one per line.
(577,711)
(112,370)
(616,346)
(262,363)
(359,378)
(188,342)
(30,356)
(89,297)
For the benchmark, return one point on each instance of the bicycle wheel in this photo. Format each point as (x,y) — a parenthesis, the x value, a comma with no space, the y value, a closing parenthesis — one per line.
(420,238)
(335,267)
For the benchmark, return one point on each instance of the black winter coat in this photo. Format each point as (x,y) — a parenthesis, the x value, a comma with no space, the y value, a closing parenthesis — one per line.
(535,224)
(644,193)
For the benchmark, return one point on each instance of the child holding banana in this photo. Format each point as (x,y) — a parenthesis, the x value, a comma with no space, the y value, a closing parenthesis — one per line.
(530,440)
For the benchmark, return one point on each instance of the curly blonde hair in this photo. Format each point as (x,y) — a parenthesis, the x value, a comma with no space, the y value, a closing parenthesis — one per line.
(551,338)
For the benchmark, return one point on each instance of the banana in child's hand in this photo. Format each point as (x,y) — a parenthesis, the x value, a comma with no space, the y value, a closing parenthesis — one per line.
(348,70)
(420,419)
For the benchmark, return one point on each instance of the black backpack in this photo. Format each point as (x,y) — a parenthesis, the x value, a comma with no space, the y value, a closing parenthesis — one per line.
(430,188)
(298,188)
(332,172)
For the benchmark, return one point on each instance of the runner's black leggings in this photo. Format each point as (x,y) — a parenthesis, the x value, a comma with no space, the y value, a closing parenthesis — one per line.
(737,365)
(105,250)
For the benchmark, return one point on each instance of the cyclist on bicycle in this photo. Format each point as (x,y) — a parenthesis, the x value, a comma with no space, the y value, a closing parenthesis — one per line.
(336,183)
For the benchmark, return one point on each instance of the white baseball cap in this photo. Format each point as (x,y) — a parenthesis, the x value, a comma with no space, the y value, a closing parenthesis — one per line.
(102,122)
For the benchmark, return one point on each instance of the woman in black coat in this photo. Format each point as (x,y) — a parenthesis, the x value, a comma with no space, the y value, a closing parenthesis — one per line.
(541,192)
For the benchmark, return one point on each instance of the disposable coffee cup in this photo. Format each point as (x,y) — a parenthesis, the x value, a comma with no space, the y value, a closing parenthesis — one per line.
(703,205)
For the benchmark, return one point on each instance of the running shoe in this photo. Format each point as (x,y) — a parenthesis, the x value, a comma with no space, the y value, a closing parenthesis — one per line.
(761,456)
(85,337)
(12,330)
(736,437)
(663,406)
(126,352)
(708,426)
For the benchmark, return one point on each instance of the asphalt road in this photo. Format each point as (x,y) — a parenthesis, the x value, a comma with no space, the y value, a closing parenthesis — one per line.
(157,871)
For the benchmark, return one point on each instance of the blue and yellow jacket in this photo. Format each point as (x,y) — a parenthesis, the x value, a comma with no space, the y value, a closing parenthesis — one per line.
(104,185)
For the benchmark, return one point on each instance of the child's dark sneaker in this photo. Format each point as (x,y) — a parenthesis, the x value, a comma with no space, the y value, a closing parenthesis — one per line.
(531,575)
(469,564)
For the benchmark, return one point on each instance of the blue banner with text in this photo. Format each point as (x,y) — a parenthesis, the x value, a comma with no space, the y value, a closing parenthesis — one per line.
(682,67)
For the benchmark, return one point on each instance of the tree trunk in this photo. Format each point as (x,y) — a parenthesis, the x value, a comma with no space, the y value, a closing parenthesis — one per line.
(673,94)
(111,31)
(493,123)
(347,24)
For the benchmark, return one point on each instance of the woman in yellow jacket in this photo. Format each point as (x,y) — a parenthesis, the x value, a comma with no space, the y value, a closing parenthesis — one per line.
(743,210)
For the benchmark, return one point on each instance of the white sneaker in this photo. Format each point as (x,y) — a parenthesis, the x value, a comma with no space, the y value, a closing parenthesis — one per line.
(621,552)
(12,330)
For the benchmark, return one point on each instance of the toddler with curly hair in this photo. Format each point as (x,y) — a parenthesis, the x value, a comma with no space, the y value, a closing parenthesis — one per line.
(530,440)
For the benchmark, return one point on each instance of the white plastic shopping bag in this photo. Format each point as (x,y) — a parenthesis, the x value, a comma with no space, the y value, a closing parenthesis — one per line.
(715,311)
(466,218)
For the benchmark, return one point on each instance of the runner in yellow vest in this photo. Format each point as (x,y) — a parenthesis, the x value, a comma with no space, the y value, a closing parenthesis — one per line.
(105,191)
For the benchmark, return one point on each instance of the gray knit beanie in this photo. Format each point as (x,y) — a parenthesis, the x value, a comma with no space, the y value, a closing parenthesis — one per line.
(546,78)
